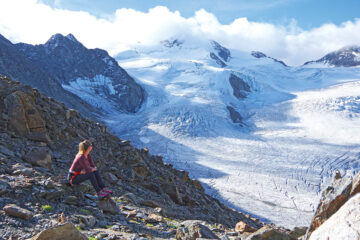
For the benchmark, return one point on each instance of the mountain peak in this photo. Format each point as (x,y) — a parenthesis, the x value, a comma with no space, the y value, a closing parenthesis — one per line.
(348,56)
(59,39)
(71,37)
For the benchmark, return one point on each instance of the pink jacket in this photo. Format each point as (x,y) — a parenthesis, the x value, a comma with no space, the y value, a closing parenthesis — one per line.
(81,162)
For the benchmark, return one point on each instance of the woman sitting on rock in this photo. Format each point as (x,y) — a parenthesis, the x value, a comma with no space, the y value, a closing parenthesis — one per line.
(83,168)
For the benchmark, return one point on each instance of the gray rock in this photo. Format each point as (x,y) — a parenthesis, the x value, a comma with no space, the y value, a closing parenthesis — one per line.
(71,200)
(16,211)
(268,233)
(234,115)
(4,187)
(39,157)
(108,206)
(6,151)
(194,230)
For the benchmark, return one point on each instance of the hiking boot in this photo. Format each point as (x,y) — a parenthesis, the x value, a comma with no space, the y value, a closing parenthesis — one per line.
(102,194)
(106,190)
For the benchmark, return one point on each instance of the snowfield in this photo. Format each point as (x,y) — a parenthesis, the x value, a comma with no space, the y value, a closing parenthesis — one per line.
(299,125)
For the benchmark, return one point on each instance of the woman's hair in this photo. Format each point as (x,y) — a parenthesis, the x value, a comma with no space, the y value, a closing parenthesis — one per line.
(83,146)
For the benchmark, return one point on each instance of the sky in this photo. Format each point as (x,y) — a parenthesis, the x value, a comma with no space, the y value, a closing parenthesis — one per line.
(294,31)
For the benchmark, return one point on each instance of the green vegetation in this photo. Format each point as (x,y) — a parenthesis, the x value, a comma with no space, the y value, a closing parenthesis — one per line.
(133,221)
(79,228)
(150,225)
(108,226)
(93,238)
(47,208)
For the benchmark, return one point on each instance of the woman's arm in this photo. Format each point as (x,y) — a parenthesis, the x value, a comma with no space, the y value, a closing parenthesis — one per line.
(84,165)
(91,162)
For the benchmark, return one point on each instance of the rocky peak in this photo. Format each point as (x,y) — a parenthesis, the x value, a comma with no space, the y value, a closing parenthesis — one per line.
(258,54)
(221,51)
(58,39)
(172,43)
(345,57)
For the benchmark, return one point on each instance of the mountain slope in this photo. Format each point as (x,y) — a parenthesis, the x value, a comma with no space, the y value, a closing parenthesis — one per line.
(15,64)
(86,72)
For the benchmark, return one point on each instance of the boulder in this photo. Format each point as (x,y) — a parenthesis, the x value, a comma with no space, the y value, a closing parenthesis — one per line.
(66,231)
(269,233)
(16,211)
(149,203)
(87,220)
(344,224)
(154,218)
(108,205)
(194,230)
(39,157)
(71,200)
(39,137)
(4,187)
(6,151)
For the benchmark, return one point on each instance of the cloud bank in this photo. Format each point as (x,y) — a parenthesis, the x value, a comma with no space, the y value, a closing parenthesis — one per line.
(32,22)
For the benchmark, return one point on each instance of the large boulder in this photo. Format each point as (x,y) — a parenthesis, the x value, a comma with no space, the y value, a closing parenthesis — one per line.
(344,224)
(108,205)
(4,187)
(193,230)
(65,231)
(39,157)
(24,118)
(269,233)
(16,211)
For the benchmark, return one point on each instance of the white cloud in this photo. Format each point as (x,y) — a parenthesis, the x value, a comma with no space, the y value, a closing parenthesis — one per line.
(33,22)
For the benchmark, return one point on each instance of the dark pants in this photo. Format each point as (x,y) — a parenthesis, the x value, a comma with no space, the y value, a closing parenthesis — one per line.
(94,177)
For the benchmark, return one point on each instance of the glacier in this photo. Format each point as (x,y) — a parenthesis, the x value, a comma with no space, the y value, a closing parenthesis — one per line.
(299,124)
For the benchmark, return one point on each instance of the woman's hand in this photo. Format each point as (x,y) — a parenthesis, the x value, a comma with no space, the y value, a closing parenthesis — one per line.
(93,169)
(83,171)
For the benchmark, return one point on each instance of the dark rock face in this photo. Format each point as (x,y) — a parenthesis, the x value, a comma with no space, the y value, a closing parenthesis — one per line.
(345,57)
(172,43)
(234,115)
(217,60)
(257,54)
(86,72)
(221,51)
(15,64)
(240,88)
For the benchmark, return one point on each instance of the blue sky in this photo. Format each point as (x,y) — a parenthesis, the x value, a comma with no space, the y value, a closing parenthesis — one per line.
(307,13)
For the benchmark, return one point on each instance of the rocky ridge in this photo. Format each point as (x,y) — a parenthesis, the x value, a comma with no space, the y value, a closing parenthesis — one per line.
(151,200)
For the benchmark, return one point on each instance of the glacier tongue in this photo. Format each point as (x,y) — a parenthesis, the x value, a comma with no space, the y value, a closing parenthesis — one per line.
(299,125)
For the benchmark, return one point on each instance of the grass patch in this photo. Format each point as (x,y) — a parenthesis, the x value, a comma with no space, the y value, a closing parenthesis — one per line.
(108,226)
(150,225)
(47,208)
(79,228)
(93,238)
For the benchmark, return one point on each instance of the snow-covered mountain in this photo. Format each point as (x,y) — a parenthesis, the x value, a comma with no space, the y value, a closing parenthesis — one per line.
(345,57)
(261,136)
(91,74)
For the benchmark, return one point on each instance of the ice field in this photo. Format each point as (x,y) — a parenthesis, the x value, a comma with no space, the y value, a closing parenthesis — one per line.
(299,125)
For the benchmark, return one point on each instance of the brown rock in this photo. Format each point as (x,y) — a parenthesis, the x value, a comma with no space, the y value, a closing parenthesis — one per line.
(39,157)
(331,200)
(153,218)
(16,211)
(269,233)
(242,227)
(65,231)
(108,206)
(198,185)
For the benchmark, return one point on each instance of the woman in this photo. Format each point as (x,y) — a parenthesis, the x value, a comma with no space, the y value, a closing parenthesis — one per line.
(83,168)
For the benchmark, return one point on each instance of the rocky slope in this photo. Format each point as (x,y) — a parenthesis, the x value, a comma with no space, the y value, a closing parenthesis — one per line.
(38,140)
(86,72)
(345,57)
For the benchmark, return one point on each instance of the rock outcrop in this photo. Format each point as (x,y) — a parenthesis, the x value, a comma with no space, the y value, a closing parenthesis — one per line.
(334,198)
(240,88)
(345,57)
